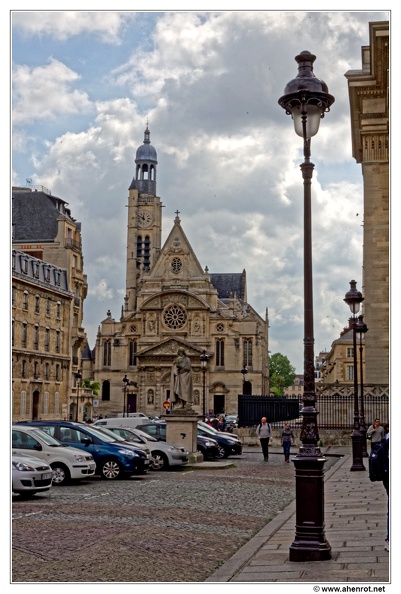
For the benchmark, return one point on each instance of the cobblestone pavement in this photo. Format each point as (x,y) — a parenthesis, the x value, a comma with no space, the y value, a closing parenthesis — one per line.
(176,526)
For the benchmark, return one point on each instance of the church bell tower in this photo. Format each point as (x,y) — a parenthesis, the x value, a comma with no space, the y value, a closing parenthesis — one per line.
(144,221)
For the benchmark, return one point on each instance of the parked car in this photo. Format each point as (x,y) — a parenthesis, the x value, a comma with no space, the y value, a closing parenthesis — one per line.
(67,463)
(163,455)
(232,422)
(113,459)
(30,475)
(134,421)
(227,444)
(208,447)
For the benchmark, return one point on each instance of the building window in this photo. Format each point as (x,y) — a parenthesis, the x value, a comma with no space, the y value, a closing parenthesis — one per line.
(58,309)
(46,272)
(23,368)
(24,335)
(25,300)
(47,371)
(13,294)
(47,339)
(133,345)
(58,372)
(350,372)
(48,306)
(23,404)
(106,390)
(37,304)
(107,353)
(57,403)
(36,370)
(219,352)
(350,352)
(36,337)
(176,265)
(174,317)
(57,341)
(46,403)
(247,352)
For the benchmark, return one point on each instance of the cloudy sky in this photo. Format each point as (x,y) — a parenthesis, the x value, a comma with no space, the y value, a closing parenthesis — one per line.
(84,84)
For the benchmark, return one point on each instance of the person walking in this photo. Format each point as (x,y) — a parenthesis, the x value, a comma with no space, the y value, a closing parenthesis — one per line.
(287,438)
(264,432)
(375,433)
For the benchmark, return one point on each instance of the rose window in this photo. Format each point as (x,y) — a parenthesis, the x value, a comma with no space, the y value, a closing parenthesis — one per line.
(220,327)
(175,317)
(176,265)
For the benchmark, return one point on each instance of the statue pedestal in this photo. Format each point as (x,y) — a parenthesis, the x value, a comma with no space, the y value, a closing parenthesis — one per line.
(182,431)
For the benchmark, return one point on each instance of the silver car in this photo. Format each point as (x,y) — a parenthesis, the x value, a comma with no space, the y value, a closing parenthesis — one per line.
(163,454)
(30,475)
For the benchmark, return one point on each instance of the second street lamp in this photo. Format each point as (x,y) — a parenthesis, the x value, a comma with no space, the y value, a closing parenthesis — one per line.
(204,359)
(78,377)
(361,329)
(244,371)
(306,99)
(354,298)
(127,383)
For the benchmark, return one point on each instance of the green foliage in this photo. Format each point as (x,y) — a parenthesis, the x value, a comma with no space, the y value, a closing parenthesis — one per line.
(281,373)
(94,386)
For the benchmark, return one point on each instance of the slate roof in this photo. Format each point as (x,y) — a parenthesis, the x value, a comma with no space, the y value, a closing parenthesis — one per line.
(35,214)
(229,284)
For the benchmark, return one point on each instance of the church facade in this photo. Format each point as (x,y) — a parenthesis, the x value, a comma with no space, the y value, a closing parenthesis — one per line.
(171,302)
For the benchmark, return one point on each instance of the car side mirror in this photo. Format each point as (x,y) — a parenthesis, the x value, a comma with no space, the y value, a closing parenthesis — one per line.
(86,441)
(37,447)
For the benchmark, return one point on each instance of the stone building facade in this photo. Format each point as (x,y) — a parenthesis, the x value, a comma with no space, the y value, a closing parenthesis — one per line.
(172,302)
(369,103)
(41,339)
(43,228)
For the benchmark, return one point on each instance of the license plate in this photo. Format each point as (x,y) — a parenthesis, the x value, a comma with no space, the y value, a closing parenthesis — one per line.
(46,475)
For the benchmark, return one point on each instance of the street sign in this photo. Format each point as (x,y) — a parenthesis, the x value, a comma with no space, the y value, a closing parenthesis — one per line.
(166,404)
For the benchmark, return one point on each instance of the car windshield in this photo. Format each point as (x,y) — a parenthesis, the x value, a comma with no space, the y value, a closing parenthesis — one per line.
(207,427)
(110,433)
(144,435)
(100,433)
(42,435)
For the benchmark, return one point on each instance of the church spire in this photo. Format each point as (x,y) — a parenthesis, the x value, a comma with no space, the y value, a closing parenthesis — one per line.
(146,165)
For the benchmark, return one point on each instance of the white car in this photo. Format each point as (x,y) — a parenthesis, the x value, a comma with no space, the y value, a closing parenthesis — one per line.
(66,462)
(163,454)
(30,475)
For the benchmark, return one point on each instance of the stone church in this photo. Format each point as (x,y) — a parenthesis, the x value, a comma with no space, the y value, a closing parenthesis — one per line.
(172,302)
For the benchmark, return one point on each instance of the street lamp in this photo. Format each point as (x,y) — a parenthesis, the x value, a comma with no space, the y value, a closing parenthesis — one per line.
(354,298)
(361,329)
(244,371)
(78,377)
(306,99)
(127,383)
(204,359)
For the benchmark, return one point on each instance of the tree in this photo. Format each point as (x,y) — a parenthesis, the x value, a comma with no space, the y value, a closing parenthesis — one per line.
(95,386)
(281,373)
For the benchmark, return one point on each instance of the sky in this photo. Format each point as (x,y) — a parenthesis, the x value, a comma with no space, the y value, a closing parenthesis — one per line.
(85,84)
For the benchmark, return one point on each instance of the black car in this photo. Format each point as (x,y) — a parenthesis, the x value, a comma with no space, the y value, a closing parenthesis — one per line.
(113,458)
(206,445)
(227,445)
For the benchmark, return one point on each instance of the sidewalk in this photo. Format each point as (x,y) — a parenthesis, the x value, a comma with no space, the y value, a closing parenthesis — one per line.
(355,527)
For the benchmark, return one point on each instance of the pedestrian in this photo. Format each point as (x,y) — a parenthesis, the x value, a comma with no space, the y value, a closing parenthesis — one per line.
(375,433)
(221,425)
(264,433)
(386,480)
(287,438)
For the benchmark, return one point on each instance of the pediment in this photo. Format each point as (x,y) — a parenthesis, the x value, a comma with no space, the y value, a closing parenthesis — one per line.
(185,298)
(170,347)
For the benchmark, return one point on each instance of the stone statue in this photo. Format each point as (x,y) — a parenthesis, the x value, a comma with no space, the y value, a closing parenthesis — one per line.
(181,380)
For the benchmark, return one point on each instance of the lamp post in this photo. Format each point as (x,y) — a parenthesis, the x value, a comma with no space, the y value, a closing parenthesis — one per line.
(78,377)
(354,298)
(204,359)
(306,99)
(244,371)
(127,383)
(361,329)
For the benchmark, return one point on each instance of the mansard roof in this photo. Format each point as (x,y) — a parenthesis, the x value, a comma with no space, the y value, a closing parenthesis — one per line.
(35,214)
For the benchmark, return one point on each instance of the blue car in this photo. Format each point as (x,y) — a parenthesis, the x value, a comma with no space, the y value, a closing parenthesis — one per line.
(114,459)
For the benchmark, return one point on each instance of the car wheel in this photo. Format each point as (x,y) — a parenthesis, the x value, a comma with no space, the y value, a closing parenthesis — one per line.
(159,461)
(222,452)
(61,474)
(110,470)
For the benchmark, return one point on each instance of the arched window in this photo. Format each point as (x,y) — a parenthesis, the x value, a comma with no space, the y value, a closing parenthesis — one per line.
(46,403)
(24,335)
(23,404)
(220,352)
(247,352)
(106,390)
(57,403)
(107,353)
(133,345)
